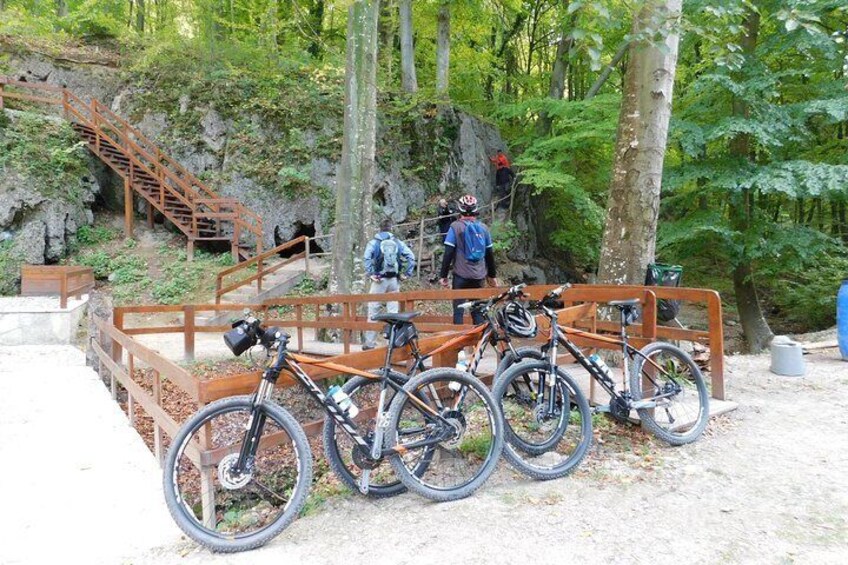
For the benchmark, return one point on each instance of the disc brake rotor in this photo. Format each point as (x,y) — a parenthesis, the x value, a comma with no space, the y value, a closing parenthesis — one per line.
(228,479)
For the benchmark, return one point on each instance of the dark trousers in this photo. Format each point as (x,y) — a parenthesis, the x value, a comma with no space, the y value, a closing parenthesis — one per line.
(459,313)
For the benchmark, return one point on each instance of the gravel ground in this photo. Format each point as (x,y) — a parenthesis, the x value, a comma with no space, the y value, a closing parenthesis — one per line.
(766,485)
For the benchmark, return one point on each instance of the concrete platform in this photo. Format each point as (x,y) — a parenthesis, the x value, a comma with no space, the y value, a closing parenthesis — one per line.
(79,485)
(40,320)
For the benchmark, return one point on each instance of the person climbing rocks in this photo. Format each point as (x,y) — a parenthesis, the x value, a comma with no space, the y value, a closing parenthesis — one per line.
(446,216)
(469,250)
(503,175)
(388,261)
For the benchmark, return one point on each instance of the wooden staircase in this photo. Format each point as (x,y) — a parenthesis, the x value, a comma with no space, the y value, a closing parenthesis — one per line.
(164,185)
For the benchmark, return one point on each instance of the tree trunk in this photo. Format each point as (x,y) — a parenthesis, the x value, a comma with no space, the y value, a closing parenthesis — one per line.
(409,80)
(443,48)
(629,240)
(754,324)
(356,168)
(557,85)
(139,16)
(316,24)
(62,8)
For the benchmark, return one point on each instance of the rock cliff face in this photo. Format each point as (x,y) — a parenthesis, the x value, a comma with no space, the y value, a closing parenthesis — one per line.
(41,208)
(283,171)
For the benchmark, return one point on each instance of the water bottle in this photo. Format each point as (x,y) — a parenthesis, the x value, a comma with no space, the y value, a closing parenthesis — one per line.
(461,365)
(842,319)
(343,400)
(601,365)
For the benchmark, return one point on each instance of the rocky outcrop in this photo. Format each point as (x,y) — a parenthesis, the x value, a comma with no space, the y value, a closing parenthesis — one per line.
(38,220)
(427,152)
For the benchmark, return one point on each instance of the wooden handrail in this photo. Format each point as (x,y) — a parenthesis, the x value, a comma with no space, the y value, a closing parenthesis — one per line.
(143,154)
(220,290)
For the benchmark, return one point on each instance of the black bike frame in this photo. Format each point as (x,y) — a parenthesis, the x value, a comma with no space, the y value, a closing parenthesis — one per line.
(250,444)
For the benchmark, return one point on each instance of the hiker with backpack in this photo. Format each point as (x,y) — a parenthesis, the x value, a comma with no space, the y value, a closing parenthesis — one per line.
(388,261)
(469,250)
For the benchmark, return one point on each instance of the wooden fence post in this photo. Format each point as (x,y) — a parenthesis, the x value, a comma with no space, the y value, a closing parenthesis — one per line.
(188,332)
(2,86)
(298,310)
(128,206)
(130,406)
(157,430)
(420,255)
(306,255)
(716,331)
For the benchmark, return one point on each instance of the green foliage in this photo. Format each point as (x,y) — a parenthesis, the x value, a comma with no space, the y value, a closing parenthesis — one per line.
(569,171)
(504,235)
(46,151)
(806,298)
(94,235)
(10,268)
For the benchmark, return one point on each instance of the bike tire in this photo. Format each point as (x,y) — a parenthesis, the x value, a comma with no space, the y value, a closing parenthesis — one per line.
(518,452)
(413,480)
(223,542)
(525,353)
(648,415)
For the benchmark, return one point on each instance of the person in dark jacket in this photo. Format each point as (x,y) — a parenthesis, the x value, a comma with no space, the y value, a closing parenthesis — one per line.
(467,273)
(446,216)
(503,175)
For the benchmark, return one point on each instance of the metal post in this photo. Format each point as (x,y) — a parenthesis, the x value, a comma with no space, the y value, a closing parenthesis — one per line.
(306,256)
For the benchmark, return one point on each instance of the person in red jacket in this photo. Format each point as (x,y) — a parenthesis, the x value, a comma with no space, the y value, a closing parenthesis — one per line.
(503,174)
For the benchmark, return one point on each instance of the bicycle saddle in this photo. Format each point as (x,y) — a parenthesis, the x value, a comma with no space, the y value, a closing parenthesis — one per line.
(624,303)
(398,318)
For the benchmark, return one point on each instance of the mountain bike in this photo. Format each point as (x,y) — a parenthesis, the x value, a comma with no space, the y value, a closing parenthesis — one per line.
(339,448)
(667,391)
(239,470)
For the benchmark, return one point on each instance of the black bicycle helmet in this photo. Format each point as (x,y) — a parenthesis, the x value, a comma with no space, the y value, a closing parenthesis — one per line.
(517,321)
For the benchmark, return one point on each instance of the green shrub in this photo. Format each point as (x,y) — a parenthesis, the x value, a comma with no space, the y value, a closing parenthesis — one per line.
(806,299)
(10,267)
(92,235)
(99,261)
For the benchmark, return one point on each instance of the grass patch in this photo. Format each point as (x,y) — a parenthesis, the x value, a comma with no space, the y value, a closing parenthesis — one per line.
(47,152)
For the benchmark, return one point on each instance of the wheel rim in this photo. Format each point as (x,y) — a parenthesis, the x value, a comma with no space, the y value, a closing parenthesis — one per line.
(543,436)
(679,409)
(242,507)
(468,442)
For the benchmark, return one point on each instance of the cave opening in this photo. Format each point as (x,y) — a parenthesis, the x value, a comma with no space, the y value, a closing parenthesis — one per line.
(300,228)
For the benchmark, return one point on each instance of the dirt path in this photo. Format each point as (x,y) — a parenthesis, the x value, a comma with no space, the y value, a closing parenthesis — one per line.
(768,485)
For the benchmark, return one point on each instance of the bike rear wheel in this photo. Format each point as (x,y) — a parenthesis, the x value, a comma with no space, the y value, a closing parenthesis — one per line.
(669,379)
(339,447)
(472,434)
(548,421)
(243,510)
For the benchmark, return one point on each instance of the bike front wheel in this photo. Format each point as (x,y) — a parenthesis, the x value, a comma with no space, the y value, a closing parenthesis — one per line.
(461,445)
(548,421)
(231,511)
(672,389)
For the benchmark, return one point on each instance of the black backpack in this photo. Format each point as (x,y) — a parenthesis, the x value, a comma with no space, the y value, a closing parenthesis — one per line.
(665,275)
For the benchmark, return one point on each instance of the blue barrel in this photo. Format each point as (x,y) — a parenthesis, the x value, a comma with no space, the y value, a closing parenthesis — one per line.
(842,319)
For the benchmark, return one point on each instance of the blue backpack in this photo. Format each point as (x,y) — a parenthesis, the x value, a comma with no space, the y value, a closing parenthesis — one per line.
(474,237)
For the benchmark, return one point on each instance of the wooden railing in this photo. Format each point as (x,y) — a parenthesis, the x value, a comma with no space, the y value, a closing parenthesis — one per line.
(262,270)
(346,315)
(144,156)
(49,280)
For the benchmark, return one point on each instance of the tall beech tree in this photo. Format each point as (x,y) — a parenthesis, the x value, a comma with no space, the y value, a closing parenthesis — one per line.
(629,240)
(409,78)
(354,183)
